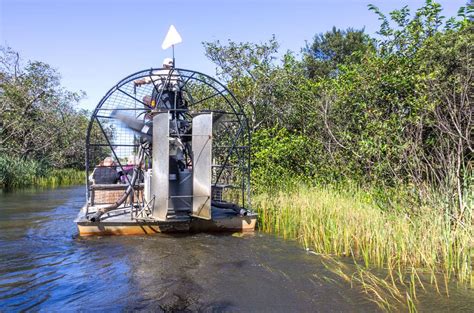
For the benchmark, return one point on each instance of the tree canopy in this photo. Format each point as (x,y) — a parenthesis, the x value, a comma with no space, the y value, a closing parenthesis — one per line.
(39,119)
(391,110)
(334,48)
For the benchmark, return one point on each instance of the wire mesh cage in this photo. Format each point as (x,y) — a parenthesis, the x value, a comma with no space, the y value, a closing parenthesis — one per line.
(118,136)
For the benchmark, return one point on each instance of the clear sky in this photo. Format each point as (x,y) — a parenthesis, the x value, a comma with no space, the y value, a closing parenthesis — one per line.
(96,43)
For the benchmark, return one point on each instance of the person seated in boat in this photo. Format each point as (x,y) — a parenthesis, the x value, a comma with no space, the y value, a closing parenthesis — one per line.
(105,173)
(127,170)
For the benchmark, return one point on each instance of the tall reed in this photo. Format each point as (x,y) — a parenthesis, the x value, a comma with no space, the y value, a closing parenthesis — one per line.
(16,173)
(61,177)
(348,223)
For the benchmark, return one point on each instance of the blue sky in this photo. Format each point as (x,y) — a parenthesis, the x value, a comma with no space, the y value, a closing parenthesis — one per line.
(94,44)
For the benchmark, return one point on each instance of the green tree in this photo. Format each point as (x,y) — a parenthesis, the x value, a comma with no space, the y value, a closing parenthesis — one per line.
(333,48)
(38,117)
(403,114)
(393,110)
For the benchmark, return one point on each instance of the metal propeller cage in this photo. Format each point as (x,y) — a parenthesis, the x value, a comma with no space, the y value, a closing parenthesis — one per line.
(107,136)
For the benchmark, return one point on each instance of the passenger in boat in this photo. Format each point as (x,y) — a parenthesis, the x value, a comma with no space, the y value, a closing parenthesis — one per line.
(105,172)
(132,162)
(128,170)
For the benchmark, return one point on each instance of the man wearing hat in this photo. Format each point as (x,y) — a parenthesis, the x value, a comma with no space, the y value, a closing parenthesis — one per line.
(163,76)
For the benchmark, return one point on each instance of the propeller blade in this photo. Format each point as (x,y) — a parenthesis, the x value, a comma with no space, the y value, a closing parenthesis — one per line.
(145,130)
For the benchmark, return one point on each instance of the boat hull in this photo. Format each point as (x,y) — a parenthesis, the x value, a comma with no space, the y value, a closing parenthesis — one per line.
(124,225)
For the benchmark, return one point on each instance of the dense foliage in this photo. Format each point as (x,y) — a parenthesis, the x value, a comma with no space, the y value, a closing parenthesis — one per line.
(392,111)
(40,126)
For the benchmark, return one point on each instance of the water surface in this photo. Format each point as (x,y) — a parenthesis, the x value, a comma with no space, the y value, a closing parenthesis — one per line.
(45,266)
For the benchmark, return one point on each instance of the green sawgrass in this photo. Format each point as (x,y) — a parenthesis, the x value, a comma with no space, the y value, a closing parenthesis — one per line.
(348,223)
(17,172)
(61,177)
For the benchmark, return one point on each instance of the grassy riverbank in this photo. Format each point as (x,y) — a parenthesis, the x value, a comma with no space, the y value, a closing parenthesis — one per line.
(61,177)
(348,222)
(17,173)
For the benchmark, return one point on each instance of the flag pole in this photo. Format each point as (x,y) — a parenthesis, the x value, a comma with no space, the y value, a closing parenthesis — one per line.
(174,63)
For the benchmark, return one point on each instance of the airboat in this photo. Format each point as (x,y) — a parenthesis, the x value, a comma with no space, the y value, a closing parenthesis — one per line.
(168,150)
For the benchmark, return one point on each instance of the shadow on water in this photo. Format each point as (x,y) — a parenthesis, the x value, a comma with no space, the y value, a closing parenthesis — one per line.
(45,266)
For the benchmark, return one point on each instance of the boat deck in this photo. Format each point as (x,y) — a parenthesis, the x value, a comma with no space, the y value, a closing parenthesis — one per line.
(120,222)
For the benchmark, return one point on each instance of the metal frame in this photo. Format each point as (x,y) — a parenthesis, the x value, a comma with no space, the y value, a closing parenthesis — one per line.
(218,100)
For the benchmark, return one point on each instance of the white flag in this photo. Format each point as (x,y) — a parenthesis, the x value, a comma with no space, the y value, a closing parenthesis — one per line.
(172,38)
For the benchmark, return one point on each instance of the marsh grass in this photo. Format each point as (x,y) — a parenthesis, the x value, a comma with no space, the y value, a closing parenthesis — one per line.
(336,222)
(60,177)
(17,173)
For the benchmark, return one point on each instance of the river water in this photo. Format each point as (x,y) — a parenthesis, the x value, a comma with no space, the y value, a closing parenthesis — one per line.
(45,266)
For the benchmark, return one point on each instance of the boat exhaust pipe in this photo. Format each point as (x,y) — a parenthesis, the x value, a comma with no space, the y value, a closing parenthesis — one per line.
(96,216)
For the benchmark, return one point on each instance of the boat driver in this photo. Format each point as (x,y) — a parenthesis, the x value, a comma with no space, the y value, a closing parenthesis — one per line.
(167,80)
(163,76)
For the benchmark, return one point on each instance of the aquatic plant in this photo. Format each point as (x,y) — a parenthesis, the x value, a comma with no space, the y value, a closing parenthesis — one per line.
(61,177)
(347,221)
(16,172)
